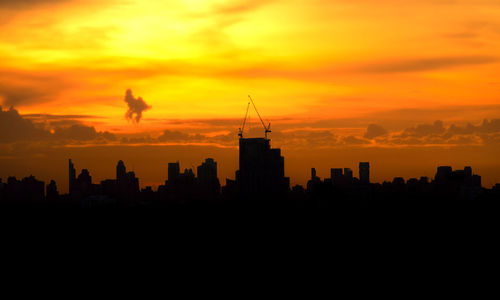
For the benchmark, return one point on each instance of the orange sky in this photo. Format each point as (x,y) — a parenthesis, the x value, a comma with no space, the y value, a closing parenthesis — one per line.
(321,71)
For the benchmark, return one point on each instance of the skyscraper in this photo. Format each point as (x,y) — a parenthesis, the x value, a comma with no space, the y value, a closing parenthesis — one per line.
(262,169)
(348,174)
(442,174)
(207,177)
(121,170)
(336,175)
(364,172)
(173,171)
(71,175)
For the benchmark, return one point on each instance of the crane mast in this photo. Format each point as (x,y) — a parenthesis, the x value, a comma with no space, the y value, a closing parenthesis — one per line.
(240,133)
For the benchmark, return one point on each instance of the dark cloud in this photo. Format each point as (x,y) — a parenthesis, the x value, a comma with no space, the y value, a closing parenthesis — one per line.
(374,130)
(352,140)
(24,88)
(178,136)
(490,126)
(437,133)
(135,107)
(240,6)
(426,64)
(19,95)
(58,117)
(172,135)
(21,4)
(13,127)
(76,132)
(425,130)
(16,128)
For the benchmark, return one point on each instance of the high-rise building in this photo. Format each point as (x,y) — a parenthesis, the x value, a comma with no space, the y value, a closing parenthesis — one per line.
(207,171)
(442,174)
(173,171)
(207,177)
(348,174)
(52,193)
(71,175)
(84,177)
(262,169)
(336,174)
(121,170)
(468,171)
(364,172)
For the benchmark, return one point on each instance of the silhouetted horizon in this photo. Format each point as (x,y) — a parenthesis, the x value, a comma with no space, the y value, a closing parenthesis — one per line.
(371,94)
(259,181)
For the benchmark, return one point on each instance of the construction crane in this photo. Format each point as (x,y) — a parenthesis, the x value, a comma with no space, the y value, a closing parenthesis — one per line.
(267,129)
(240,133)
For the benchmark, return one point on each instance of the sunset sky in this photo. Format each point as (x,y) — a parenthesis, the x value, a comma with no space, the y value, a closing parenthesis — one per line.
(406,85)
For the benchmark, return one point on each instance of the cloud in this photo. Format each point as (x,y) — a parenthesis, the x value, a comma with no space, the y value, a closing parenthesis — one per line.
(374,131)
(17,128)
(13,127)
(352,140)
(26,88)
(488,132)
(427,64)
(241,6)
(76,132)
(135,107)
(177,136)
(425,130)
(21,4)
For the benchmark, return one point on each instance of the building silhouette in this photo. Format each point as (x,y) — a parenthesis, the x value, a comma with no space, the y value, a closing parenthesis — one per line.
(364,172)
(458,184)
(348,174)
(121,170)
(52,195)
(260,180)
(28,190)
(71,176)
(207,178)
(173,171)
(261,168)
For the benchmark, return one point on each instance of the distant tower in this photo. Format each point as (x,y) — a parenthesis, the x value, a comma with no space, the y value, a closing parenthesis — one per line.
(468,171)
(85,178)
(72,176)
(348,174)
(207,172)
(443,173)
(335,173)
(364,172)
(52,193)
(121,170)
(313,173)
(173,171)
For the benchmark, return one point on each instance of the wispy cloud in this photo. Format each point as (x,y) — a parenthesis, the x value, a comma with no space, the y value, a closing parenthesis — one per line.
(427,64)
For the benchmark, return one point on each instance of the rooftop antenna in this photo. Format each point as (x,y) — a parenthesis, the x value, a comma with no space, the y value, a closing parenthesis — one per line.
(267,129)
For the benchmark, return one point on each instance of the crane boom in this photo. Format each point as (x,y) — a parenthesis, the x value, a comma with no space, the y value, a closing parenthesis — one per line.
(267,128)
(255,107)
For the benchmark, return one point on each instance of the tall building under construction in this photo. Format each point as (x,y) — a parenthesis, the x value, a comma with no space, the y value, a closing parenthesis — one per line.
(262,168)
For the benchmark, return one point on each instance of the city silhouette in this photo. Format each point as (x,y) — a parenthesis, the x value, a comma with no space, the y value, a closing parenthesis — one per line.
(259,182)
(254,104)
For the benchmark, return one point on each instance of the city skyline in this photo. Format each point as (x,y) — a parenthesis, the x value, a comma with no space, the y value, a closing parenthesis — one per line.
(260,181)
(405,85)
